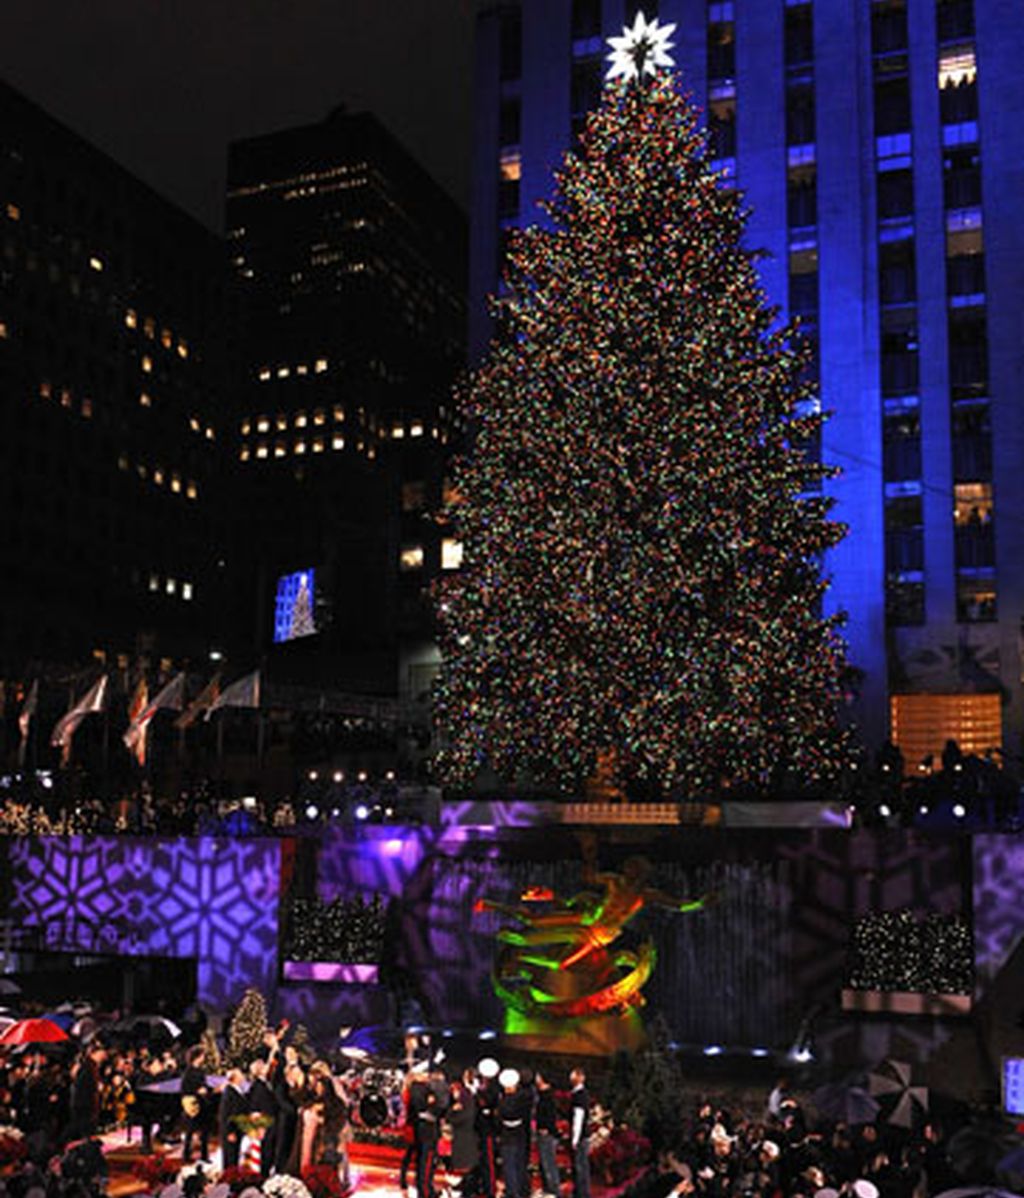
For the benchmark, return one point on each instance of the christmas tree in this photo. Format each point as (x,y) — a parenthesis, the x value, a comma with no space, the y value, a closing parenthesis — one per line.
(642,520)
(248,1025)
(301,623)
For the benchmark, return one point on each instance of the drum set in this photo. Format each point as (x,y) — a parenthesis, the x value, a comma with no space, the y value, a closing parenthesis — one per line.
(375,1095)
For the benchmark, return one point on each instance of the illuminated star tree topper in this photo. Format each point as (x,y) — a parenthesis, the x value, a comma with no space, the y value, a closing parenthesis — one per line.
(641,507)
(641,50)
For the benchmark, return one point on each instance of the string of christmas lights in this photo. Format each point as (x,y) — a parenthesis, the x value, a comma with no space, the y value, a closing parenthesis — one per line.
(643,527)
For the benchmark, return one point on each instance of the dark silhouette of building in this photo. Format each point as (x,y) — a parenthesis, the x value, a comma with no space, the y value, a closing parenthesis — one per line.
(351,263)
(113,360)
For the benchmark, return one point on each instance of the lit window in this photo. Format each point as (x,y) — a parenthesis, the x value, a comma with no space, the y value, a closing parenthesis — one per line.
(339,413)
(397,432)
(65,398)
(957,65)
(154,582)
(149,327)
(300,447)
(166,340)
(147,364)
(131,319)
(283,372)
(371,453)
(302,368)
(337,442)
(186,591)
(261,451)
(13,212)
(45,390)
(972,504)
(87,408)
(171,586)
(411,557)
(263,424)
(176,483)
(318,445)
(321,365)
(96,263)
(280,449)
(243,453)
(145,400)
(192,491)
(319,416)
(246,426)
(122,463)
(141,470)
(209,433)
(193,424)
(923,724)
(451,554)
(264,374)
(158,475)
(300,419)
(511,166)
(182,349)
(416,428)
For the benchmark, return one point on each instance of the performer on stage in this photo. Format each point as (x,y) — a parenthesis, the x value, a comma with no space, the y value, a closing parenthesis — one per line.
(487,1096)
(579,1135)
(514,1124)
(233,1102)
(195,1097)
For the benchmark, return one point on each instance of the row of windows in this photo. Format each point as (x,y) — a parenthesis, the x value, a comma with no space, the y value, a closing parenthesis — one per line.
(160,477)
(149,330)
(266,373)
(413,556)
(300,419)
(158,584)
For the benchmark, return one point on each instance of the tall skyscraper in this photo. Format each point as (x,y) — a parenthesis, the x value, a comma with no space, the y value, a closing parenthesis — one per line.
(112,380)
(351,262)
(880,147)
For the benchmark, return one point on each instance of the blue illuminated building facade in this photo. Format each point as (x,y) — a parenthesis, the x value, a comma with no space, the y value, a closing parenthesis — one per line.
(880,147)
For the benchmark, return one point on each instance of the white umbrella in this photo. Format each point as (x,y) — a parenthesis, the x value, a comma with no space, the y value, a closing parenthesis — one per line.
(9,986)
(894,1081)
(978,1192)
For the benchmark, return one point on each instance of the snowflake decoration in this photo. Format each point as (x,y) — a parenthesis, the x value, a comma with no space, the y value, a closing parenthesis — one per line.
(641,50)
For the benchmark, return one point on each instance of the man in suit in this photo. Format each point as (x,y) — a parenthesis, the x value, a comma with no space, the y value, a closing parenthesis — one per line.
(263,1102)
(233,1101)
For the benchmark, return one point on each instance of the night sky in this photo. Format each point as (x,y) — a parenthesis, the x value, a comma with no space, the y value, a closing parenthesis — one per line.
(163,85)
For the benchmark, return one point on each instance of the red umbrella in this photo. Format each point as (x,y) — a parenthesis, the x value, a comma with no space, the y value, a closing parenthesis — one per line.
(33,1031)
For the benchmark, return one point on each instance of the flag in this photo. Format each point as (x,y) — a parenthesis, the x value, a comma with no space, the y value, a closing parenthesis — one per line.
(25,719)
(243,693)
(136,737)
(92,701)
(200,703)
(136,707)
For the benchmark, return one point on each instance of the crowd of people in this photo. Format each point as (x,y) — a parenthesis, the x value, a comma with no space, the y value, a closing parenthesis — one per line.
(479,1131)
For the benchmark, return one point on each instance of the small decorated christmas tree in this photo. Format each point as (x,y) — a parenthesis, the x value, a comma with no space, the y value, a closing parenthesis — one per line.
(642,521)
(302,623)
(248,1025)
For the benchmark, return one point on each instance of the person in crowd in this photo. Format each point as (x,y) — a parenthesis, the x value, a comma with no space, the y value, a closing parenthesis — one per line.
(546,1127)
(85,1096)
(514,1111)
(487,1096)
(262,1102)
(425,1111)
(289,1085)
(462,1120)
(195,1105)
(233,1102)
(579,1134)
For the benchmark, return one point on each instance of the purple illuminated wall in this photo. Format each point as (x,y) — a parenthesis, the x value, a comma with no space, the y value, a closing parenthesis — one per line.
(213,900)
(998,903)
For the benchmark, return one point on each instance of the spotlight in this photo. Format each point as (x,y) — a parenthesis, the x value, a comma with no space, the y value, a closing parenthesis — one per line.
(216,655)
(313,775)
(390,776)
(249,802)
(362,811)
(713,1050)
(363,775)
(339,776)
(885,811)
(488,1034)
(958,767)
(447,1033)
(759,1052)
(923,809)
(335,812)
(959,811)
(312,812)
(802,1055)
(389,811)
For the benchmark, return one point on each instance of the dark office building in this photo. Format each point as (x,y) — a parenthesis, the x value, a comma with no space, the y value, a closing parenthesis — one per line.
(351,262)
(880,146)
(112,353)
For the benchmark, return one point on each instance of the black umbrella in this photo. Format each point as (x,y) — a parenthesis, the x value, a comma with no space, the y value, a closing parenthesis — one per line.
(976,1149)
(845,1103)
